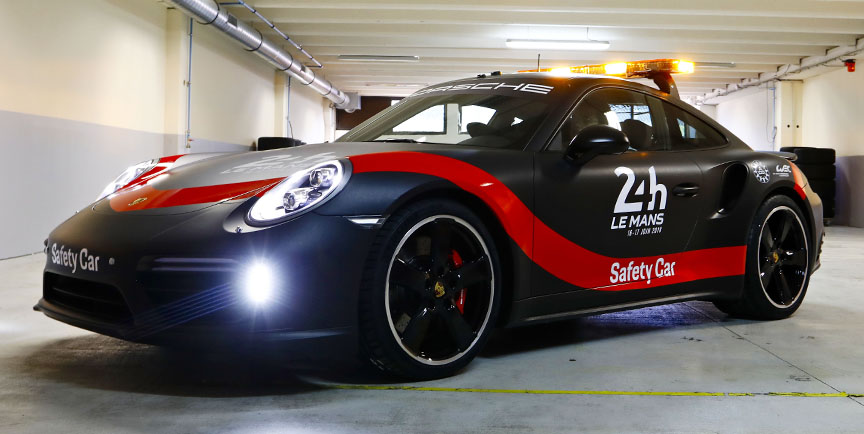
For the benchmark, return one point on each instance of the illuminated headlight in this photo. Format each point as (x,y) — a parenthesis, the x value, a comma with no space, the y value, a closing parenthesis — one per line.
(130,174)
(258,283)
(299,193)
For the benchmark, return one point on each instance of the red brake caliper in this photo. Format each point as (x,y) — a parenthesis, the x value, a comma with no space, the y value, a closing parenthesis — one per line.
(460,298)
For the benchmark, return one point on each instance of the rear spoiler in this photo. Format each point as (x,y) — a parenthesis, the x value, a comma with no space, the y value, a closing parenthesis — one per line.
(791,156)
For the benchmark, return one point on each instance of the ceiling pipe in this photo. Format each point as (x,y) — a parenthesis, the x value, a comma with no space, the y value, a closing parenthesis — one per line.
(832,55)
(208,12)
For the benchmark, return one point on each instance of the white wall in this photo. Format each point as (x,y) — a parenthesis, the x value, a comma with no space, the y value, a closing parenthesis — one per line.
(88,60)
(828,108)
(81,97)
(309,114)
(709,109)
(91,86)
(233,99)
(833,111)
(833,117)
(749,114)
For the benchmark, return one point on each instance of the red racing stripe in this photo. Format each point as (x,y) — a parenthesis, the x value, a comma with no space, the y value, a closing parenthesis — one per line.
(799,181)
(129,199)
(548,249)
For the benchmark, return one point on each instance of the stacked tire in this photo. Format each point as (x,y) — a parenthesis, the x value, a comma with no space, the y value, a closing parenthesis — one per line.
(818,166)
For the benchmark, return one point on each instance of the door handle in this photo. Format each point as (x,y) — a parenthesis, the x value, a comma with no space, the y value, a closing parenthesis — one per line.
(686,190)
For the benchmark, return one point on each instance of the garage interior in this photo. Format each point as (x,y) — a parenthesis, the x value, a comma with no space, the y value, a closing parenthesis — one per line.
(92,86)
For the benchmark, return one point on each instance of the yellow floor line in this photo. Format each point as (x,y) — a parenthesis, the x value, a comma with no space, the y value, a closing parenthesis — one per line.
(592,392)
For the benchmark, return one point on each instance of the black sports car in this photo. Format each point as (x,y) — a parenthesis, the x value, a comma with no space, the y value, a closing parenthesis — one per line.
(500,200)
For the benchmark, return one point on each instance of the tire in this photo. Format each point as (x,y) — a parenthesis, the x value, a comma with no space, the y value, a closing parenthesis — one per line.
(817,172)
(430,292)
(784,260)
(829,210)
(808,155)
(825,189)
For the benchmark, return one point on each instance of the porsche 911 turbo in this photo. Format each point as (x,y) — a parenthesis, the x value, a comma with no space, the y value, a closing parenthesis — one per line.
(496,201)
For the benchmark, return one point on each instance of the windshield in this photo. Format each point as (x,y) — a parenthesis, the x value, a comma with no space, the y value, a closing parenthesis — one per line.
(490,120)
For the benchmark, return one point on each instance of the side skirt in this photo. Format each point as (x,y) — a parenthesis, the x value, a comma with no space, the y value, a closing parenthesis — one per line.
(613,308)
(585,302)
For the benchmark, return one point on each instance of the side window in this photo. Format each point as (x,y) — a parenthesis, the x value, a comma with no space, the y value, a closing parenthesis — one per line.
(430,120)
(469,114)
(638,116)
(688,132)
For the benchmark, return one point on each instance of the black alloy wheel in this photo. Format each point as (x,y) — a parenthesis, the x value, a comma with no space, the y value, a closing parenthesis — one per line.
(439,290)
(433,295)
(777,265)
(783,257)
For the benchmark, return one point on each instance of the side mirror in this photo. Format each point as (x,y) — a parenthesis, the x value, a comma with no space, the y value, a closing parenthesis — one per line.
(596,140)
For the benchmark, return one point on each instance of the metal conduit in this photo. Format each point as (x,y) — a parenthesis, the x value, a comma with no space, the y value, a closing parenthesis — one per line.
(208,12)
(279,32)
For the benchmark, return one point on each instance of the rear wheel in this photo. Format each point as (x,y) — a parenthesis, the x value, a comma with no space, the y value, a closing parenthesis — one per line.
(431,291)
(778,263)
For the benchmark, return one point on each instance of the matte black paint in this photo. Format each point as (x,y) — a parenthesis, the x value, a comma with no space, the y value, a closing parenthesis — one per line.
(321,254)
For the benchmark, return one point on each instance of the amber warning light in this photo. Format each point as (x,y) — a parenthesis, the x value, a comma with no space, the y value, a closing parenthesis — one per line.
(638,69)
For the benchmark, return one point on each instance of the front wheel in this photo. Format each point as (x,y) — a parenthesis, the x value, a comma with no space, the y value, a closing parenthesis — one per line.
(778,263)
(430,293)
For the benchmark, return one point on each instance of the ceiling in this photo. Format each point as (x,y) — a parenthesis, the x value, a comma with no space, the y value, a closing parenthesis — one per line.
(462,38)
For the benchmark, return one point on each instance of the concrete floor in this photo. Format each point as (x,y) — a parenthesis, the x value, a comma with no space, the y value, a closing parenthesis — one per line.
(55,378)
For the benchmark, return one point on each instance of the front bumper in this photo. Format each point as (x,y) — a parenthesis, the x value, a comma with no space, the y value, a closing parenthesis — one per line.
(149,278)
(330,345)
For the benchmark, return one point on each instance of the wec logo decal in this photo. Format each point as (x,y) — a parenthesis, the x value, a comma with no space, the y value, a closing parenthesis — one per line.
(642,223)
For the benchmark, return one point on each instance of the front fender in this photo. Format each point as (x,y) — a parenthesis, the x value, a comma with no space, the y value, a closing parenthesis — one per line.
(380,193)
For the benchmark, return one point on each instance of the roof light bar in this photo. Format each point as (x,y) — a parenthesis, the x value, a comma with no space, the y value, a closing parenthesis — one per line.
(638,69)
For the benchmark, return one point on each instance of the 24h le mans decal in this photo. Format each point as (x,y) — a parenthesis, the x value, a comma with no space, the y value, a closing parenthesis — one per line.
(636,217)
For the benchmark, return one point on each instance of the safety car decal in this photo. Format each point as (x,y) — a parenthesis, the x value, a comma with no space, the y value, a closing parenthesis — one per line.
(554,253)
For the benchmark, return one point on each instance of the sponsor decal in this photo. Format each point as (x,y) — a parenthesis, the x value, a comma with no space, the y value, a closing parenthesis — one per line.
(137,201)
(552,252)
(74,260)
(541,89)
(280,162)
(635,217)
(632,272)
(783,170)
(760,171)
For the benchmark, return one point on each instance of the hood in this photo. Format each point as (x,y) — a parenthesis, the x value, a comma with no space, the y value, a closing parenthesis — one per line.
(195,181)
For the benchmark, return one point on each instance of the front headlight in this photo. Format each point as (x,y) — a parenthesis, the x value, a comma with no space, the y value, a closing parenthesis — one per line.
(299,193)
(130,174)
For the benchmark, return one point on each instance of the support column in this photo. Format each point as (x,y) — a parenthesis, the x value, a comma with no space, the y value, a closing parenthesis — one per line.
(176,69)
(787,113)
(282,93)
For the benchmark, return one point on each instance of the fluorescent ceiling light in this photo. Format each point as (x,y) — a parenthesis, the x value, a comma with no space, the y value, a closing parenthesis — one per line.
(397,84)
(543,44)
(377,58)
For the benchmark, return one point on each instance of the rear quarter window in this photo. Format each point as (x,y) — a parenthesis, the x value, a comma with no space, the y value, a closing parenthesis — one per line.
(687,132)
